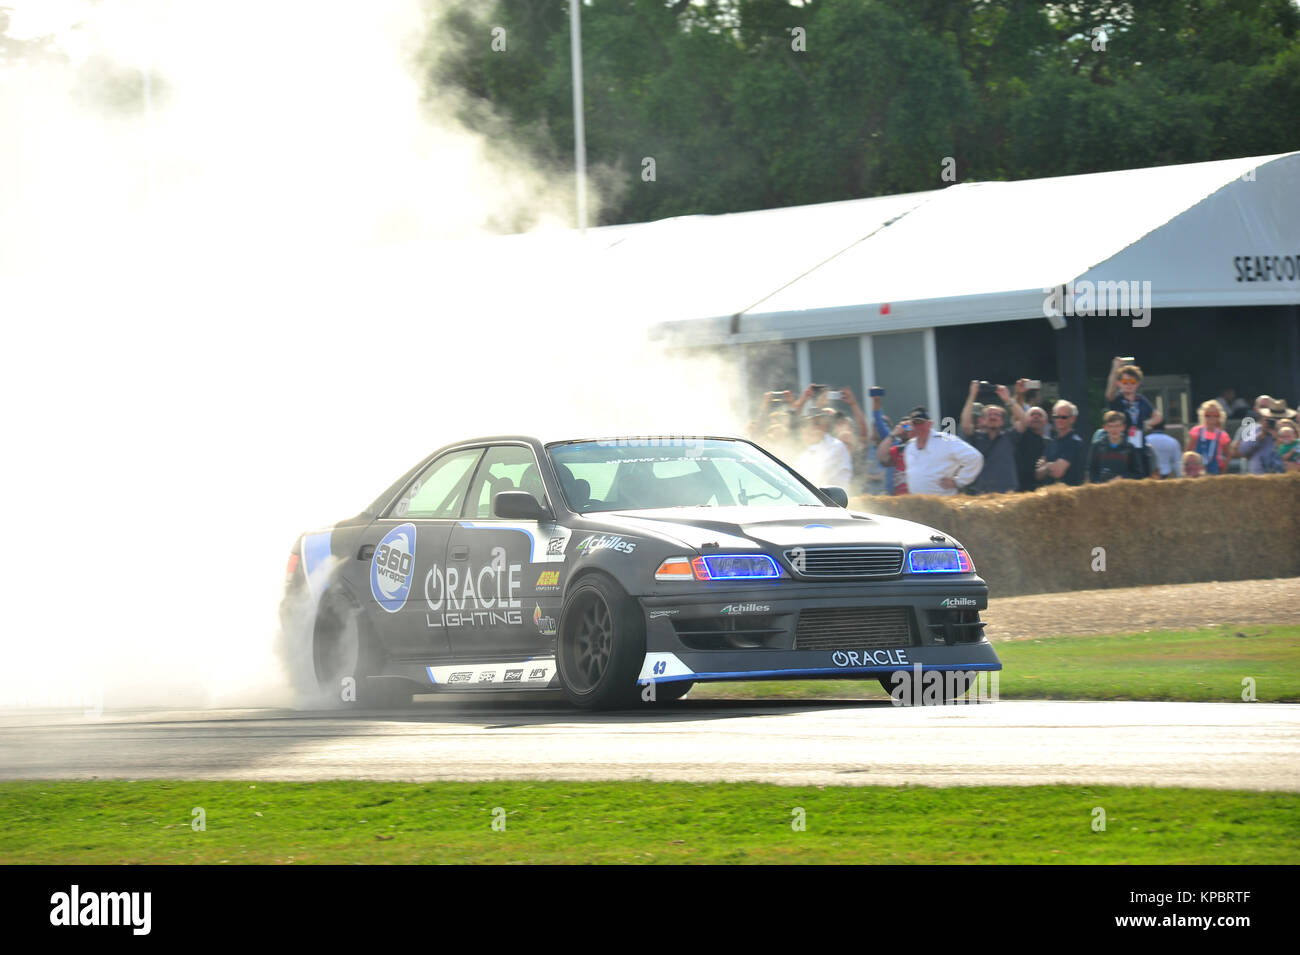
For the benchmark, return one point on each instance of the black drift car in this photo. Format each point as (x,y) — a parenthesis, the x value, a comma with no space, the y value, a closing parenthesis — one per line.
(622,570)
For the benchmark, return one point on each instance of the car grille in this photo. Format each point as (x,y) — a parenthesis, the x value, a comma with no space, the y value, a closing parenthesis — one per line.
(845,563)
(853,628)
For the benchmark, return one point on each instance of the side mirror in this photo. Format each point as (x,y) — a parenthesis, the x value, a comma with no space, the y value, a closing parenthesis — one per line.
(519,506)
(837,495)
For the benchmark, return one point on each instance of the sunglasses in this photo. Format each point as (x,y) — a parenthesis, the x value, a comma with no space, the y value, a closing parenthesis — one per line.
(1128,381)
(1062,417)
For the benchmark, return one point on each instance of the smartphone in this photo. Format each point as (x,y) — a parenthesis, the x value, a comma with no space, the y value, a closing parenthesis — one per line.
(1033,384)
(1127,359)
(875,391)
(835,395)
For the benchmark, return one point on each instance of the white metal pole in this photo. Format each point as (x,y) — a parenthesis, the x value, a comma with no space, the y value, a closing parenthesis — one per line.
(579,130)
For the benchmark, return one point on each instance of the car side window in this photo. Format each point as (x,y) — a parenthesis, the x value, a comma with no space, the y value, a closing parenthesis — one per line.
(505,468)
(440,489)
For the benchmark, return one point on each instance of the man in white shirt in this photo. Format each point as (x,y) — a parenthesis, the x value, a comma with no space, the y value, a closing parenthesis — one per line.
(824,461)
(938,463)
(1166,451)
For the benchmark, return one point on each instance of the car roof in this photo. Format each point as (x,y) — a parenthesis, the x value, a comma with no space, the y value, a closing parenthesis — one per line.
(547,440)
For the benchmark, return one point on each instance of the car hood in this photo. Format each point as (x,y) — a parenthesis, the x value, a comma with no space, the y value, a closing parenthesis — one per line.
(776,527)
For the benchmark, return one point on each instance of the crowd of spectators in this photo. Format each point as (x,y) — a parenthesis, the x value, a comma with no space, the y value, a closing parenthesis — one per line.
(1009,441)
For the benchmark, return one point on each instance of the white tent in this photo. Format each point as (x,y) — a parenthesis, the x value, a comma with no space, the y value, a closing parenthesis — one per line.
(977,252)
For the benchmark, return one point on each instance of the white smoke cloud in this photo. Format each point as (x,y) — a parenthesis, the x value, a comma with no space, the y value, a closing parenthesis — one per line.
(242,311)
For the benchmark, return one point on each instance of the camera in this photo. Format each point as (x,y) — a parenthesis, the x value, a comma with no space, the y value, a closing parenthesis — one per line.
(1033,384)
(875,391)
(835,395)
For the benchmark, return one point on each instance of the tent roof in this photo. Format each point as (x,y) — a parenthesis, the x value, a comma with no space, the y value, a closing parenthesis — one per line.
(968,253)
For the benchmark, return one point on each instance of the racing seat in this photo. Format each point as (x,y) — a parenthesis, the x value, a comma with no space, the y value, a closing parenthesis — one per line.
(497,485)
(531,481)
(576,490)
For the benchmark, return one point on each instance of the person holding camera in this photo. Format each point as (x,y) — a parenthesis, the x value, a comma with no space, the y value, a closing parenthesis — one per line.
(1122,395)
(824,460)
(994,441)
(1112,456)
(890,440)
(1260,451)
(773,428)
(1028,391)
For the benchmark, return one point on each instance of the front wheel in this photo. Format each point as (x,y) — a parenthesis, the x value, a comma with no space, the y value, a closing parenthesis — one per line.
(601,646)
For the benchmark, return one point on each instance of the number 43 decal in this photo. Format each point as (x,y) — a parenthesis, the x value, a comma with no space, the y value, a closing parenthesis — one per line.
(660,667)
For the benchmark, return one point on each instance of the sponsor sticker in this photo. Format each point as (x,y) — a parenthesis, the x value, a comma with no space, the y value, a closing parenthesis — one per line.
(493,674)
(548,580)
(594,542)
(959,602)
(474,597)
(655,614)
(555,546)
(391,568)
(747,608)
(869,658)
(545,625)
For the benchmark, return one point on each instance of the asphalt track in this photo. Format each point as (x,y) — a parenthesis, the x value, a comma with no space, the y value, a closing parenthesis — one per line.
(1217,745)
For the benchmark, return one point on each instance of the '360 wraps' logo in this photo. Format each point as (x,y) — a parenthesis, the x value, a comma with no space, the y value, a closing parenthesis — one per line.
(390,569)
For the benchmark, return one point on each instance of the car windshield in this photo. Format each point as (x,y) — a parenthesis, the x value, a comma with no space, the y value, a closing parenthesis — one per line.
(636,473)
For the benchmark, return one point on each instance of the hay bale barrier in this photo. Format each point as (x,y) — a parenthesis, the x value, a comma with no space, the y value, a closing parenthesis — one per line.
(1232,527)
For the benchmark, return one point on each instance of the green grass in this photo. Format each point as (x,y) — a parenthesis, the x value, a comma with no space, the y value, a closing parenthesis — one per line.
(644,822)
(1193,665)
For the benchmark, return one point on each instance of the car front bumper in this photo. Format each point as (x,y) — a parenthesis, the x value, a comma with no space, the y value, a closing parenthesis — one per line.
(817,631)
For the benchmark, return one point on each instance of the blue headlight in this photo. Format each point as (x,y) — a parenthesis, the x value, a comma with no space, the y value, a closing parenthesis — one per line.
(939,560)
(735,567)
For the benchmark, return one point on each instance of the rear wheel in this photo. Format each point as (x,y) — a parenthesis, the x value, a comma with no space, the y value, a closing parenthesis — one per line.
(601,645)
(935,687)
(341,658)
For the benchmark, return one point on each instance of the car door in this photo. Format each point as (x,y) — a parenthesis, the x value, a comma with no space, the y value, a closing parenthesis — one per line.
(501,591)
(404,551)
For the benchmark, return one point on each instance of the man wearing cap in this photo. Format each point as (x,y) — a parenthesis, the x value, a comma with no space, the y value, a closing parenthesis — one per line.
(1260,450)
(1249,426)
(938,463)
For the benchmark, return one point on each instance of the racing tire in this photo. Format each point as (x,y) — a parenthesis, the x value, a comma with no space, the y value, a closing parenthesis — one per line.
(951,686)
(601,646)
(328,646)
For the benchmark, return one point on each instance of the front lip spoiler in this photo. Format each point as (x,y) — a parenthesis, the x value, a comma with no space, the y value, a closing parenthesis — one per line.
(669,666)
(817,673)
